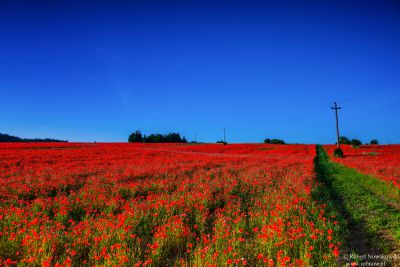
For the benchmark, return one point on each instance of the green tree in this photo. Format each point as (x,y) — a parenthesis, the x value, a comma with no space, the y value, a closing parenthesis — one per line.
(135,137)
(374,142)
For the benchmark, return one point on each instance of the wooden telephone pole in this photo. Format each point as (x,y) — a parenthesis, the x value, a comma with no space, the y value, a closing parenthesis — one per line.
(224,134)
(336,108)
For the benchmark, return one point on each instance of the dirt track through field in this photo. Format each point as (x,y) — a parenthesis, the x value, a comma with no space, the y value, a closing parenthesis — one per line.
(358,241)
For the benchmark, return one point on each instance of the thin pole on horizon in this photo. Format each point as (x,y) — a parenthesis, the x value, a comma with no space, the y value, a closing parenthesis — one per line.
(336,108)
(224,134)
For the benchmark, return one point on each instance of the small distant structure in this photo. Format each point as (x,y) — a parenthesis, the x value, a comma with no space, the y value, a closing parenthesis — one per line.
(224,134)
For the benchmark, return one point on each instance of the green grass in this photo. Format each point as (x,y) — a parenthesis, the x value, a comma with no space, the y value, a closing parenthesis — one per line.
(367,206)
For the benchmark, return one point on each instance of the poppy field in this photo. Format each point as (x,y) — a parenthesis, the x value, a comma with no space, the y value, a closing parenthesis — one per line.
(81,204)
(380,161)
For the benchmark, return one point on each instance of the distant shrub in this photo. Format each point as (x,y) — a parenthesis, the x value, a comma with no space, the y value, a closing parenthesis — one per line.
(374,142)
(267,141)
(356,142)
(344,140)
(338,153)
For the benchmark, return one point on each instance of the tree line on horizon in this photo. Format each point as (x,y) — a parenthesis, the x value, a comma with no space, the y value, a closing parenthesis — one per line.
(11,138)
(138,137)
(343,140)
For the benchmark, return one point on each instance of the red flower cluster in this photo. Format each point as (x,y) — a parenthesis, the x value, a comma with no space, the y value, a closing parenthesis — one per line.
(381,161)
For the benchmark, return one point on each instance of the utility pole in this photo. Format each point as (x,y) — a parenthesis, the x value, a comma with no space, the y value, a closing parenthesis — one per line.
(336,108)
(224,134)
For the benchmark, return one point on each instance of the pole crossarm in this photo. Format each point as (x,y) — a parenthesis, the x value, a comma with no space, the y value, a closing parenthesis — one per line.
(335,106)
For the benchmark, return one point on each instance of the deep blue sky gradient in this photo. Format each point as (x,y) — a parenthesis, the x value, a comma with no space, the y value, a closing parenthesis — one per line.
(97,71)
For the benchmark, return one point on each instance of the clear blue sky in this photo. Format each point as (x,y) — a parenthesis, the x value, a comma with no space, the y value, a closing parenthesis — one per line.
(97,71)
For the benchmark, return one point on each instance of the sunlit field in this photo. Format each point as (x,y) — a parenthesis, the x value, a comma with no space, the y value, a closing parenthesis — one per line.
(75,204)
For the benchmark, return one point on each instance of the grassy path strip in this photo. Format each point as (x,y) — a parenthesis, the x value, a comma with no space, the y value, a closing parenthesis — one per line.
(363,205)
